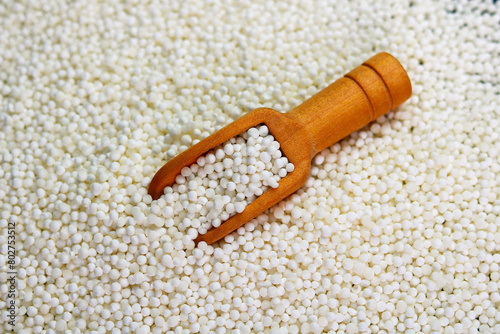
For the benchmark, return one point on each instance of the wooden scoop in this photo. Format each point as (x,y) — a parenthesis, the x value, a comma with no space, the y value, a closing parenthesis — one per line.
(362,95)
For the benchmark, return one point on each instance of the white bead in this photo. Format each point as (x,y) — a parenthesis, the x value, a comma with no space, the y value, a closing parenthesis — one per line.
(396,229)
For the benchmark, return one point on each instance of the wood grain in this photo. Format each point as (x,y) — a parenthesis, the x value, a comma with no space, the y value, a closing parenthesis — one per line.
(370,90)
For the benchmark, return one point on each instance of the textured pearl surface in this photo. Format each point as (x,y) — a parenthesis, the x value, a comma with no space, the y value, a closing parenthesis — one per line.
(224,181)
(396,230)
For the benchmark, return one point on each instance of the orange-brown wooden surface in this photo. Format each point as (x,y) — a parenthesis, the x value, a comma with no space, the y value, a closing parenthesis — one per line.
(348,104)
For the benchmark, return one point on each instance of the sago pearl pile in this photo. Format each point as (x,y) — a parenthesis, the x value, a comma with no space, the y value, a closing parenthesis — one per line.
(396,230)
(222,183)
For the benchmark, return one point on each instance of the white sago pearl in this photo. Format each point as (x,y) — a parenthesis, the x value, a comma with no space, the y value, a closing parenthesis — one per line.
(247,189)
(396,229)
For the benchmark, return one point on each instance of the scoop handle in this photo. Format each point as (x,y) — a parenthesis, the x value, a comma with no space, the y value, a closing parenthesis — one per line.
(369,91)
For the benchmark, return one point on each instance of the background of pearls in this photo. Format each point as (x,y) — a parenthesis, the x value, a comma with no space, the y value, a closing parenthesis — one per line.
(397,229)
